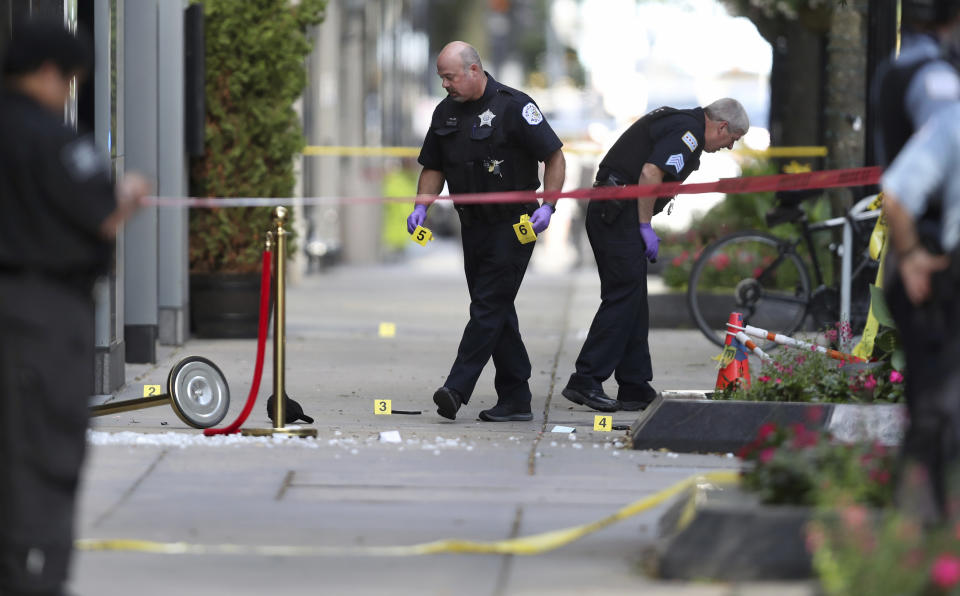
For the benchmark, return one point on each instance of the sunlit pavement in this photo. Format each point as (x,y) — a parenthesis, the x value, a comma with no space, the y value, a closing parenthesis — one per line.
(463,479)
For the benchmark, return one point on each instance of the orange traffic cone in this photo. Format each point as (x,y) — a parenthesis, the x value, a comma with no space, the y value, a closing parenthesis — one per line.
(734,365)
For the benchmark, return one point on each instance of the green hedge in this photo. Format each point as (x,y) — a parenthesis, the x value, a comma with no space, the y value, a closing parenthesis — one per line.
(255,51)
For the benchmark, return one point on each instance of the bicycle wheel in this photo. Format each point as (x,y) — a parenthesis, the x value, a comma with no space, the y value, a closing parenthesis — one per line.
(752,273)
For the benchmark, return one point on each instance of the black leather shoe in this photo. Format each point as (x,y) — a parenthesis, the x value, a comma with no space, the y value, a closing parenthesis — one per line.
(448,402)
(633,405)
(592,398)
(503,413)
(638,400)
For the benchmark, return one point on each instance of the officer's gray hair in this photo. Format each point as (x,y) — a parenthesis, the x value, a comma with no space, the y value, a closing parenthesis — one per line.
(469,56)
(730,111)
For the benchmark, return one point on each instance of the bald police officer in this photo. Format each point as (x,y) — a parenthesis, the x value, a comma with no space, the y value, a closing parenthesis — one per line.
(60,213)
(663,146)
(487,137)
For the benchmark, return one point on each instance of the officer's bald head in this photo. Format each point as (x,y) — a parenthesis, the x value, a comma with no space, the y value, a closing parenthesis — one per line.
(461,71)
(462,51)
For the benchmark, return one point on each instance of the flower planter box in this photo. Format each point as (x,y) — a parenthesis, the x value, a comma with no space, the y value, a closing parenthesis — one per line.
(225,305)
(721,533)
(715,426)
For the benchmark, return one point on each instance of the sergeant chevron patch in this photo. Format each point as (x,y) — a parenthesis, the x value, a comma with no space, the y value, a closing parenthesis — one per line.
(676,160)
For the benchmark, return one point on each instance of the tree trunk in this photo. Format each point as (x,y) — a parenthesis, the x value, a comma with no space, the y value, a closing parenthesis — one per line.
(846,90)
(796,82)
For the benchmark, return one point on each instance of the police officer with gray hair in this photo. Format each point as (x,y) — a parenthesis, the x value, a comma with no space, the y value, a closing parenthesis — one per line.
(487,137)
(663,146)
(60,212)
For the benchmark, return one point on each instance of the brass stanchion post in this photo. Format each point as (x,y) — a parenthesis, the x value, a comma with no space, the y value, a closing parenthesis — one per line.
(279,335)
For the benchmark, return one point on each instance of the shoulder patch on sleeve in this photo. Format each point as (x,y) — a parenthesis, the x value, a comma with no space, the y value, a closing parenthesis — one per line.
(531,113)
(82,160)
(689,140)
(676,160)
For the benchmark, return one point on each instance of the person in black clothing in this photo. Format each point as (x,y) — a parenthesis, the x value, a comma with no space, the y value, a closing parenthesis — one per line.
(60,212)
(663,146)
(919,90)
(487,137)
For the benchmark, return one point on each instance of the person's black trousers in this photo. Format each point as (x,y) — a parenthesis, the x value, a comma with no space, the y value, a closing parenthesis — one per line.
(930,337)
(46,378)
(494,262)
(617,341)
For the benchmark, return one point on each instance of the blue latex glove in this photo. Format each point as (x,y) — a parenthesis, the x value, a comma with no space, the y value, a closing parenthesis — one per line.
(541,219)
(651,240)
(416,218)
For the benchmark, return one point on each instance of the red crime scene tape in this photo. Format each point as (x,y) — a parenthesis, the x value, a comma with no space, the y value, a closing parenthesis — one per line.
(775,182)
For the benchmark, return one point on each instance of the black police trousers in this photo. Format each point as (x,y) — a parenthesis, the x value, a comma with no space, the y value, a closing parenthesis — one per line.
(930,337)
(494,263)
(617,340)
(46,378)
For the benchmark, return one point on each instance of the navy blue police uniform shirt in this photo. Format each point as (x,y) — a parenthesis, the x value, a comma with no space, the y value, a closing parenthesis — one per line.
(670,139)
(56,189)
(504,129)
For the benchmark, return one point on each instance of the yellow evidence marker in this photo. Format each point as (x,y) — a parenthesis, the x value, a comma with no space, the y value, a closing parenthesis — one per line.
(421,236)
(382,407)
(524,230)
(151,390)
(388,329)
(604,423)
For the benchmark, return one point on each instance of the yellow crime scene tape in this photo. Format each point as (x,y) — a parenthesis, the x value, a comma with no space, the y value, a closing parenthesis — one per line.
(878,252)
(524,545)
(359,151)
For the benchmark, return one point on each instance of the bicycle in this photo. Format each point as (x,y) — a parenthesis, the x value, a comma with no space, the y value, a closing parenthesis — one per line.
(765,277)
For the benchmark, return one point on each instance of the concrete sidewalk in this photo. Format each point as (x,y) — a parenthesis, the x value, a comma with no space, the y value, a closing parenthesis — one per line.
(463,479)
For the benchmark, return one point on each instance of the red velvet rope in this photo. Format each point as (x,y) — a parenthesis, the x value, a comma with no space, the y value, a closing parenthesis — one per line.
(261,345)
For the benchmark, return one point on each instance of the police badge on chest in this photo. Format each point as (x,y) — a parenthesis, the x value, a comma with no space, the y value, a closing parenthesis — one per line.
(493,166)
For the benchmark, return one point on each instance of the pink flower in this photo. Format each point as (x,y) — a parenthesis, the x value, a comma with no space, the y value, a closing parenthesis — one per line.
(804,437)
(721,261)
(896,377)
(801,359)
(945,572)
(854,516)
(764,379)
(830,334)
(869,383)
(766,430)
(880,476)
(767,454)
(814,414)
(816,538)
(778,380)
